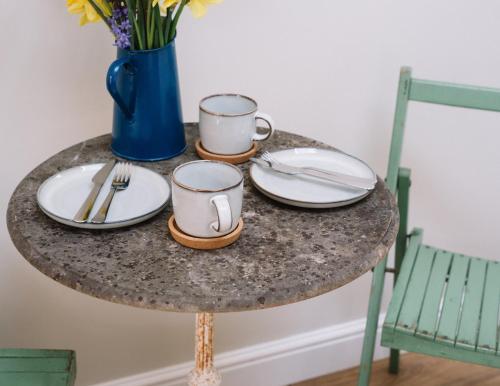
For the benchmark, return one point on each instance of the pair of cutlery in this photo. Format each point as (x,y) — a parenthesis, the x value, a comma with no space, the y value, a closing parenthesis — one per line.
(121,180)
(268,161)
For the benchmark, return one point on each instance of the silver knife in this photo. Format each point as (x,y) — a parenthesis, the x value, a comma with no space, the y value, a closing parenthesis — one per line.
(340,178)
(99,179)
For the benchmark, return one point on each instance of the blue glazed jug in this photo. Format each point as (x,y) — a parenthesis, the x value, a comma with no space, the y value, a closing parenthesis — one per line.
(147,119)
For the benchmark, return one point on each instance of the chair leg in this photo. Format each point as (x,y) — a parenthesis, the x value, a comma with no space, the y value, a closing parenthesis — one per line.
(372,323)
(394,357)
(394,361)
(404,184)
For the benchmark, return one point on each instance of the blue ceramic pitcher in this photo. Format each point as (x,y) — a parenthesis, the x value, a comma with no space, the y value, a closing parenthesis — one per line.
(147,119)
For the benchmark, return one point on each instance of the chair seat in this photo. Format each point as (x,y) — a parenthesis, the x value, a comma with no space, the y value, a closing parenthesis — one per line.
(29,367)
(445,304)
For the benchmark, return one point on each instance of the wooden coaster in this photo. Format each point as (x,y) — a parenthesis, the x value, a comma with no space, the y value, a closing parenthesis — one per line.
(203,243)
(232,159)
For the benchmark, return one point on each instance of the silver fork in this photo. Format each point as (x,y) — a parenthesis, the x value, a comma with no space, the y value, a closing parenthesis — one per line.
(345,179)
(120,182)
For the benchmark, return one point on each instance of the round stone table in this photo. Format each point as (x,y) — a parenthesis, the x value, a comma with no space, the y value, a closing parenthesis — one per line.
(284,255)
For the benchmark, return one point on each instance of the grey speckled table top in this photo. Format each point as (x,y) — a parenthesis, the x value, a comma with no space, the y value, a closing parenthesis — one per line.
(284,255)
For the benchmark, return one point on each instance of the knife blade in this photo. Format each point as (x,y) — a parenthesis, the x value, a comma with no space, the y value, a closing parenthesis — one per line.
(99,179)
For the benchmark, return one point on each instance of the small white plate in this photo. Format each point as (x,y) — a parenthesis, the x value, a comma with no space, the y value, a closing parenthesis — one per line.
(310,192)
(61,195)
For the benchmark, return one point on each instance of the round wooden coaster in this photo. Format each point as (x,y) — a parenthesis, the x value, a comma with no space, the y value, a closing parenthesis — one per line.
(203,243)
(232,159)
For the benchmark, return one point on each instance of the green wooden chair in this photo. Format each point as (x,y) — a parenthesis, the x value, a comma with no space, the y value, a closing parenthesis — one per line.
(27,367)
(444,304)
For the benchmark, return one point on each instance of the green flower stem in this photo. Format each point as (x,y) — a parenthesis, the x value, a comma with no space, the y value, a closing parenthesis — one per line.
(137,24)
(154,36)
(139,35)
(156,40)
(168,23)
(131,6)
(140,23)
(173,27)
(159,25)
(149,24)
(100,12)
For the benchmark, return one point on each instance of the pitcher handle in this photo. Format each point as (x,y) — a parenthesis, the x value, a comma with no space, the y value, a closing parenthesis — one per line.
(113,72)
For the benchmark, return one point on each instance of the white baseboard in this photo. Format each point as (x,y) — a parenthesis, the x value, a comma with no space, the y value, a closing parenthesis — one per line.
(275,363)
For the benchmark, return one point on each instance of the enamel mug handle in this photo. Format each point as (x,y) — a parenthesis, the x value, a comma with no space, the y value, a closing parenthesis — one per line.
(224,216)
(113,72)
(270,123)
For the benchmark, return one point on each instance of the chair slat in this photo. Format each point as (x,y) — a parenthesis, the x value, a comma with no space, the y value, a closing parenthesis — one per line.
(34,353)
(455,95)
(450,314)
(32,367)
(34,364)
(402,281)
(410,311)
(469,321)
(428,322)
(35,379)
(488,328)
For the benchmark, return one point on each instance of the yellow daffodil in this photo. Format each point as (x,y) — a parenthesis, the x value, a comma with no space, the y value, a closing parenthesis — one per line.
(89,14)
(198,7)
(165,4)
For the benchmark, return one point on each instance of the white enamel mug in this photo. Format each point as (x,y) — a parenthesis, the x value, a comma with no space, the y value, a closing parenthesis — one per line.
(207,198)
(228,123)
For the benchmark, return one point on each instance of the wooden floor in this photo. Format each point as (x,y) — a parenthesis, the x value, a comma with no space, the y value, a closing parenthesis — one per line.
(416,370)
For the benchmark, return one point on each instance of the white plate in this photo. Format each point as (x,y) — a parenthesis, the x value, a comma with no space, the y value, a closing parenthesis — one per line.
(61,195)
(310,192)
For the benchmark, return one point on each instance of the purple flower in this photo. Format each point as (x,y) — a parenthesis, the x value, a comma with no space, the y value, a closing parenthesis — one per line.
(121,27)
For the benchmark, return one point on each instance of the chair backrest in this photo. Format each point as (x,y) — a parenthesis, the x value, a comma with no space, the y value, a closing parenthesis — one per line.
(449,94)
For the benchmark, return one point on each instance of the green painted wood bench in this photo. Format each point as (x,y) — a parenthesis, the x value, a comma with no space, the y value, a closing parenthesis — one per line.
(28,367)
(444,304)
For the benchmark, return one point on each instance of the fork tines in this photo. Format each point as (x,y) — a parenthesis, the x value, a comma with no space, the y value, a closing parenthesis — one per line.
(123,172)
(266,156)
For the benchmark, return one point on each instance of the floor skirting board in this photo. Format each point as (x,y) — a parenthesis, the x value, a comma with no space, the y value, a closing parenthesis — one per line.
(274,363)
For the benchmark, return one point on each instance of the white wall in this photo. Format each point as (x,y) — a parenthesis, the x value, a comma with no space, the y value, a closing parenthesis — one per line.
(325,69)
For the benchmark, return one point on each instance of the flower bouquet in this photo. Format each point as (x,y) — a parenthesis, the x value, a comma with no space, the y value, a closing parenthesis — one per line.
(143,81)
(138,24)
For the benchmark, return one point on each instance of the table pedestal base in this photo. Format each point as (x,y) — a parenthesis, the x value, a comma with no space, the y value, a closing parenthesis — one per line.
(204,374)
